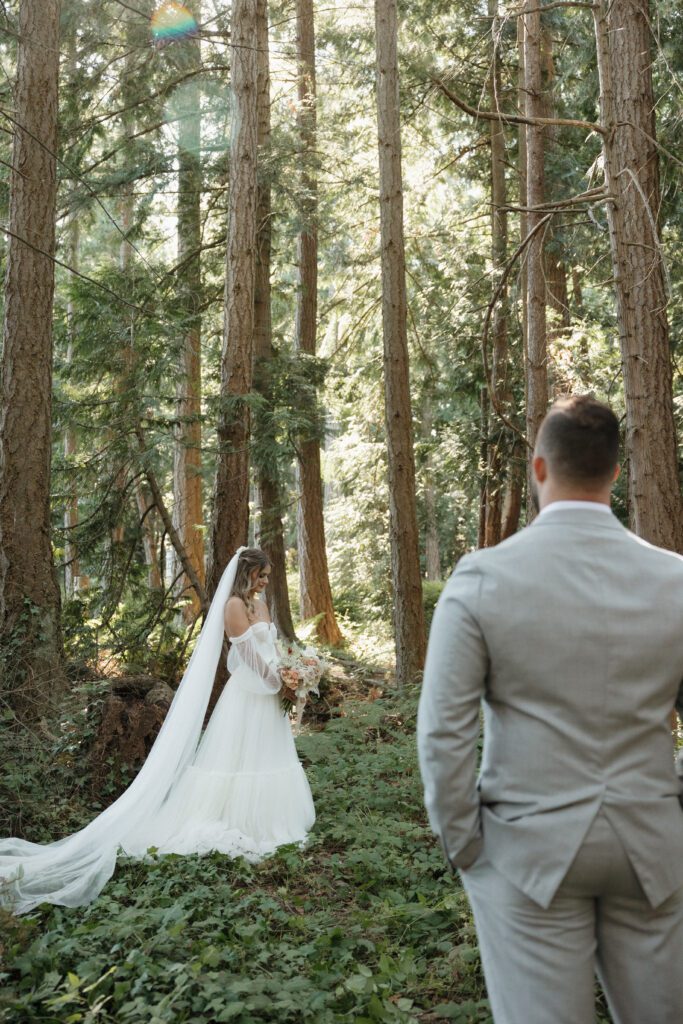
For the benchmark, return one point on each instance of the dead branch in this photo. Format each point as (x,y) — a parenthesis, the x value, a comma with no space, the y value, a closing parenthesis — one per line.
(490,383)
(492,115)
(168,524)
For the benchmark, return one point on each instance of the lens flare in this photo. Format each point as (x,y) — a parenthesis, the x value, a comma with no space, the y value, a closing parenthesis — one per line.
(171,22)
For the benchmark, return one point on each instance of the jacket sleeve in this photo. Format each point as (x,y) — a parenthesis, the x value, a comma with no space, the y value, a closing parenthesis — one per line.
(448,724)
(265,677)
(679,755)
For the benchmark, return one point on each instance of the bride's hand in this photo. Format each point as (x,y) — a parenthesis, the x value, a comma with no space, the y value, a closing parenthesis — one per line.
(289,684)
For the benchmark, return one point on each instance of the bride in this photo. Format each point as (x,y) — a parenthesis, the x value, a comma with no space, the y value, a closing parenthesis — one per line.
(240,789)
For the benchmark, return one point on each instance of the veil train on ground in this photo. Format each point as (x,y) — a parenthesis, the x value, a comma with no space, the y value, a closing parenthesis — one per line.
(73,871)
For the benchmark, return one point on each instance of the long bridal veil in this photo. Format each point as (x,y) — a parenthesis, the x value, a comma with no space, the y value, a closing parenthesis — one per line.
(73,871)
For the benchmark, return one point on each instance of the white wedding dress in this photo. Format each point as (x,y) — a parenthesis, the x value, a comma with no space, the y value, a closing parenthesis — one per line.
(245,793)
(238,789)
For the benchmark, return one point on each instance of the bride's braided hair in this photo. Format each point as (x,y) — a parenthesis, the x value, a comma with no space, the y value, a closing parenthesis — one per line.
(250,559)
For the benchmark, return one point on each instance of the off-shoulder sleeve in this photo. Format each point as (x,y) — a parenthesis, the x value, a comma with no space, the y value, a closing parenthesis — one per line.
(246,648)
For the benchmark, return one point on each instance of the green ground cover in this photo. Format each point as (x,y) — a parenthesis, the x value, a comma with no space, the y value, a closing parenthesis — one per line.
(363,925)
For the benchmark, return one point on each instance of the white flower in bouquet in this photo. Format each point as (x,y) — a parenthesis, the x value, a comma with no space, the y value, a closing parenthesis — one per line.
(301,669)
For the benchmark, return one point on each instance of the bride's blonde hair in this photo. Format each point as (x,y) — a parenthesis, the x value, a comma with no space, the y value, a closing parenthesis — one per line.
(250,559)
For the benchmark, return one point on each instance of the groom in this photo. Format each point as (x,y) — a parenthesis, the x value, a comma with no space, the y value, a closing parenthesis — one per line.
(570,842)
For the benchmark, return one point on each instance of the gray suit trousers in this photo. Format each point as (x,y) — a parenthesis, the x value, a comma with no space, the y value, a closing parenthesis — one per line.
(540,964)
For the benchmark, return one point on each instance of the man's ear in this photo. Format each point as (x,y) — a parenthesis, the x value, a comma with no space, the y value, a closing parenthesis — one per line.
(617,471)
(540,468)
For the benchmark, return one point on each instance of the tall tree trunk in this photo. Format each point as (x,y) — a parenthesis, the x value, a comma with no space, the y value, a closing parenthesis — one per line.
(73,580)
(632,179)
(141,495)
(314,584)
(577,292)
(557,291)
(554,266)
(499,233)
(409,627)
(72,571)
(271,534)
(523,276)
(536,356)
(432,545)
(483,464)
(514,489)
(29,594)
(230,526)
(188,512)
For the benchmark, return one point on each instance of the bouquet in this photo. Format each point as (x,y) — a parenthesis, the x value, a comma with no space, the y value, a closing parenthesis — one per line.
(300,669)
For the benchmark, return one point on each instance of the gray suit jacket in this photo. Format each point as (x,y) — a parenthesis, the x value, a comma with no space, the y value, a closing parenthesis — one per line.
(572,633)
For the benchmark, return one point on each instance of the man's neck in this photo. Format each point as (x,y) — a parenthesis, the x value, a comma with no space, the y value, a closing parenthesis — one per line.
(551,495)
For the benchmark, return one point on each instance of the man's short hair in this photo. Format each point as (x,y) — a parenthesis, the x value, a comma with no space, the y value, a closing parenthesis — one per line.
(579,438)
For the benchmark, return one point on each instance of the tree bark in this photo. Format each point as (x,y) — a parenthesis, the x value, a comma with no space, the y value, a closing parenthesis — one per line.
(271,533)
(557,291)
(483,464)
(188,511)
(632,179)
(536,354)
(29,594)
(499,233)
(142,499)
(72,571)
(409,627)
(314,583)
(432,545)
(129,83)
(230,526)
(514,490)
(556,298)
(523,276)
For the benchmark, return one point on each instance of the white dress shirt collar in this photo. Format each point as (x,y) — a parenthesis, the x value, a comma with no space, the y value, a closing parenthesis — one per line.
(562,506)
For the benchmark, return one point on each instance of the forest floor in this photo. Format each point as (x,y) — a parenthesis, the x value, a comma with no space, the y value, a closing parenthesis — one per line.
(363,925)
